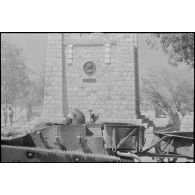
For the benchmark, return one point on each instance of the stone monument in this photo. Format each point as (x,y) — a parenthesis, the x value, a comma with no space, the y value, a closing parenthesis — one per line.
(92,71)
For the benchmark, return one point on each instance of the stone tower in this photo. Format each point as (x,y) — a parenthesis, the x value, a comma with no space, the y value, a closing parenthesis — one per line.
(92,71)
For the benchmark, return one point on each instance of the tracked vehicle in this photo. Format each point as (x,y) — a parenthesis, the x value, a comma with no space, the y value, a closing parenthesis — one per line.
(107,142)
(75,143)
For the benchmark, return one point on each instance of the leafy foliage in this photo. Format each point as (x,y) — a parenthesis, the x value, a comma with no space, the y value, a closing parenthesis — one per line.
(178,46)
(170,89)
(15,75)
(13,71)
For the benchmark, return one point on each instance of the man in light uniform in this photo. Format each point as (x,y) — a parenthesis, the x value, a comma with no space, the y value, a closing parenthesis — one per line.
(177,121)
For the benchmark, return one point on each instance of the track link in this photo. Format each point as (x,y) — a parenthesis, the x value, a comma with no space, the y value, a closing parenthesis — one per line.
(37,154)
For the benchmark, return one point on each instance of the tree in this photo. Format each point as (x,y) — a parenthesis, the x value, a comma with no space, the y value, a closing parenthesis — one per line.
(178,46)
(32,95)
(14,73)
(170,89)
(15,79)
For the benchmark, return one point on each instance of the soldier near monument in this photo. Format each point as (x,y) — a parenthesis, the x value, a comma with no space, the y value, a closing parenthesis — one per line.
(11,115)
(5,116)
(177,120)
(75,117)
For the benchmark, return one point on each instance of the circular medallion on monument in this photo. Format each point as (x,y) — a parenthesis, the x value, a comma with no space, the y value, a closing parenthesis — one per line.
(89,68)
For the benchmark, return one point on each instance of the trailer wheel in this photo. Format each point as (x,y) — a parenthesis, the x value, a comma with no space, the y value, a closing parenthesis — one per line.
(158,150)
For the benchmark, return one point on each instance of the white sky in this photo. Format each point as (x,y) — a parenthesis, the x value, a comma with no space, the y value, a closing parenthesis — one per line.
(34,46)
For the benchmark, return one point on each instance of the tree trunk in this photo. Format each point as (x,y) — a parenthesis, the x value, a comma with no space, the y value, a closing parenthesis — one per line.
(29,112)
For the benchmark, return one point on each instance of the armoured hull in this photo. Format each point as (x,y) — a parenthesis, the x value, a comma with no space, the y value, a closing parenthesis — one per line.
(73,143)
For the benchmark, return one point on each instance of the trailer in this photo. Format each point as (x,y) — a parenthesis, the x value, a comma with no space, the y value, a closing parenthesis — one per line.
(170,146)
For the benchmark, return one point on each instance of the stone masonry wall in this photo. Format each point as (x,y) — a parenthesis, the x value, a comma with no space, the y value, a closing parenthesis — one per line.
(113,92)
(110,91)
(53,91)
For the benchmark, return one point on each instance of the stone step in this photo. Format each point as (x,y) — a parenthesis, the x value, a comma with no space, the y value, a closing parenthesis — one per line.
(139,121)
(145,120)
(141,116)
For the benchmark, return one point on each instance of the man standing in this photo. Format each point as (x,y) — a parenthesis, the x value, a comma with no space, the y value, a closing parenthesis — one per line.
(5,116)
(11,115)
(177,120)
